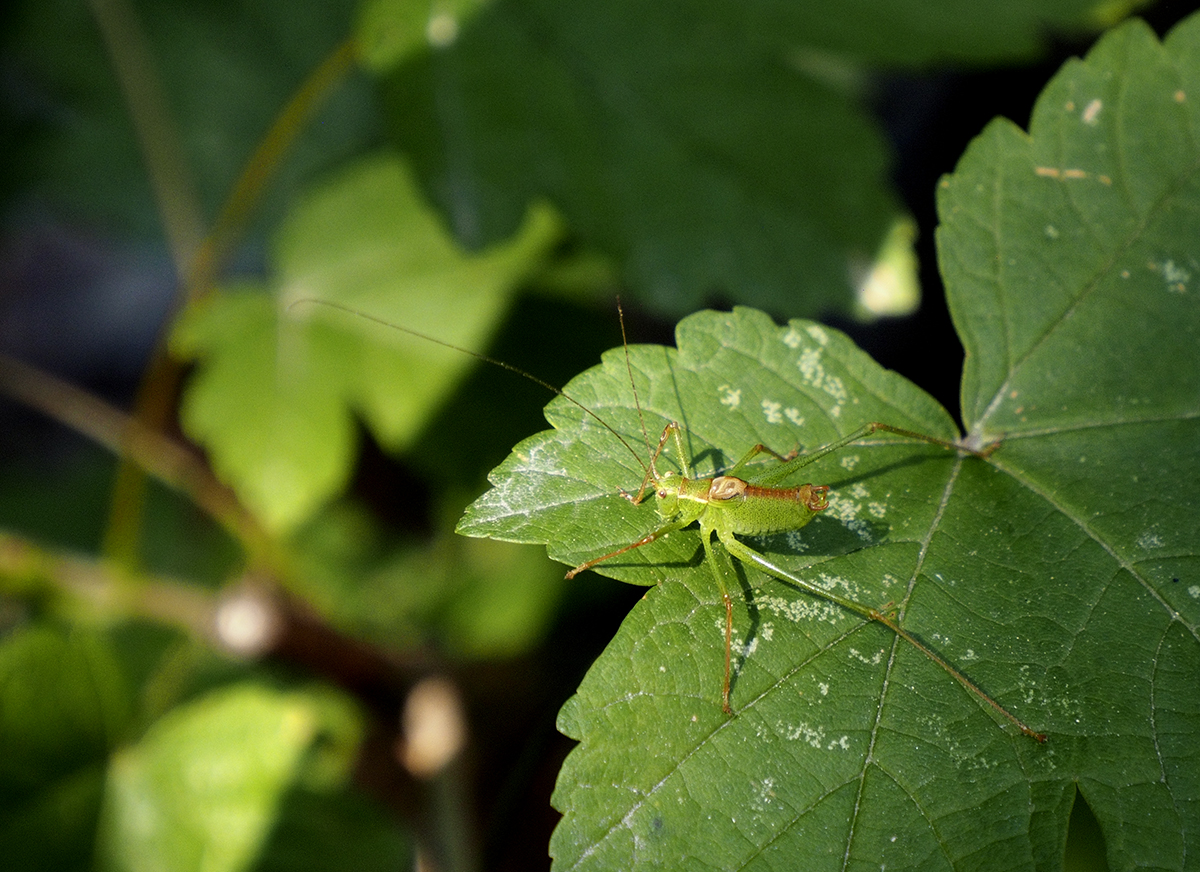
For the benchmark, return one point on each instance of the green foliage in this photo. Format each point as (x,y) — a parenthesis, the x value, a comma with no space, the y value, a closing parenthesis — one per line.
(226,76)
(277,387)
(202,786)
(686,151)
(478,598)
(210,779)
(1059,571)
(63,705)
(665,142)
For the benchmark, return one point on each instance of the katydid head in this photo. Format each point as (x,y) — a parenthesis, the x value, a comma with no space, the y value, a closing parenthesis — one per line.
(666,494)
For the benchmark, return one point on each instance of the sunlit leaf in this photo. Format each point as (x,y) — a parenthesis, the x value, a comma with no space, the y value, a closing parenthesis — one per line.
(276,388)
(202,789)
(1059,571)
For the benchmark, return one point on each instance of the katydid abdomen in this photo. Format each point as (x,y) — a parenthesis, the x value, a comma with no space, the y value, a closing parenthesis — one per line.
(754,510)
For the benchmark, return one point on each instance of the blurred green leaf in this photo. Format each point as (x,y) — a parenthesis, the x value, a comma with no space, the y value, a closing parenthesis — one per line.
(225,78)
(712,148)
(201,790)
(920,32)
(326,832)
(388,31)
(63,700)
(702,166)
(276,388)
(467,598)
(1060,572)
(63,703)
(65,506)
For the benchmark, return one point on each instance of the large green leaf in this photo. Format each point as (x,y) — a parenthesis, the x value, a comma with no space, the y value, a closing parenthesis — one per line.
(64,702)
(701,164)
(1059,571)
(275,390)
(709,147)
(202,788)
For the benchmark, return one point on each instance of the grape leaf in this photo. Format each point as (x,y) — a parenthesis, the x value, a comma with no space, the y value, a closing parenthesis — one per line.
(707,147)
(698,161)
(275,391)
(1058,571)
(202,787)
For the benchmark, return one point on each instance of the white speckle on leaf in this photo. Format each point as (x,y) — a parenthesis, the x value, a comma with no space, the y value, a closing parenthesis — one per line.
(969,655)
(848,461)
(877,510)
(810,365)
(843,743)
(767,631)
(1194,591)
(873,660)
(794,416)
(861,529)
(796,541)
(847,511)
(859,491)
(842,508)
(814,373)
(1051,231)
(807,609)
(823,687)
(835,388)
(792,339)
(811,735)
(818,333)
(766,792)
(1026,685)
(772,410)
(1091,112)
(1176,277)
(731,397)
(1148,540)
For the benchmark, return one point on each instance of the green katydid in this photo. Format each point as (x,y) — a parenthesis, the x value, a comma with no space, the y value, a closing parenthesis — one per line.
(730,505)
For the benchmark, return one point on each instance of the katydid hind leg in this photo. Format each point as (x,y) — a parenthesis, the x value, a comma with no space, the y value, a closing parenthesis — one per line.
(711,558)
(751,557)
